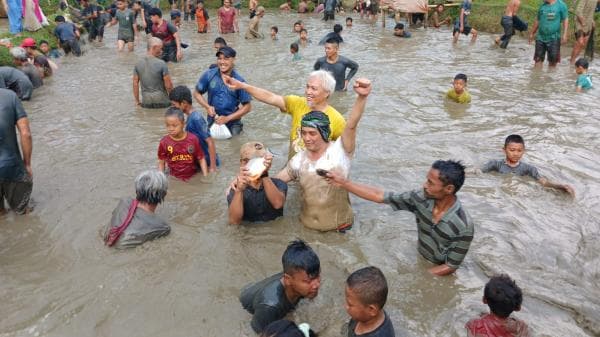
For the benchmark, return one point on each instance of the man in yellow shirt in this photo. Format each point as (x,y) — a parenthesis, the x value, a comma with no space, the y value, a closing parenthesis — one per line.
(319,87)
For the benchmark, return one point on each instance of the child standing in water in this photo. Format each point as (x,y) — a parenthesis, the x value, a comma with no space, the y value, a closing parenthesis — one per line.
(503,296)
(514,149)
(461,25)
(180,150)
(459,93)
(202,18)
(294,50)
(584,80)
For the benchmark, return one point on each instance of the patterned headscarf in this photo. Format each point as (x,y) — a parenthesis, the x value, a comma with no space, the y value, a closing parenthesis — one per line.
(319,121)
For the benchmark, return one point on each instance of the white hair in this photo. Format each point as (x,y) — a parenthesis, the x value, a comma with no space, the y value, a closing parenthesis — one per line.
(326,79)
(151,187)
(154,41)
(18,53)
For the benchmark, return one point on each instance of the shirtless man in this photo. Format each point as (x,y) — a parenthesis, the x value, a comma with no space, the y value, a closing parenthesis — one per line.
(252,5)
(510,22)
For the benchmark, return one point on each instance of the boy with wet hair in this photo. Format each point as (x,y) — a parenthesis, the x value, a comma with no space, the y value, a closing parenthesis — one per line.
(459,93)
(349,22)
(514,149)
(294,49)
(366,294)
(399,30)
(272,298)
(584,80)
(274,32)
(503,296)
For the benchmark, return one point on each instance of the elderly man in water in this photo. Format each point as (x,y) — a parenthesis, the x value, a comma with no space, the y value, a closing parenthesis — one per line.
(325,207)
(133,222)
(152,74)
(319,87)
(445,230)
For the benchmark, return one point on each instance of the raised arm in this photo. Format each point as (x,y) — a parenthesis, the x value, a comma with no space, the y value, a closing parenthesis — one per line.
(260,94)
(362,87)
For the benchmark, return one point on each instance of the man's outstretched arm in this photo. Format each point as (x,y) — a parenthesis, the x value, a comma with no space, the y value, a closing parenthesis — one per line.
(260,94)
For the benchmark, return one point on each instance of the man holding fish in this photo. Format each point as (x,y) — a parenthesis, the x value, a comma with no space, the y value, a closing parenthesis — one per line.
(253,195)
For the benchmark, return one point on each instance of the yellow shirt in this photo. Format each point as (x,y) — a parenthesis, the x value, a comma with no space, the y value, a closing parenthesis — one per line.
(465,97)
(297,107)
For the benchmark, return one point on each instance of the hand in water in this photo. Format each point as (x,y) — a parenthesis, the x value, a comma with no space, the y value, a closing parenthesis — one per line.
(231,82)
(362,86)
(569,189)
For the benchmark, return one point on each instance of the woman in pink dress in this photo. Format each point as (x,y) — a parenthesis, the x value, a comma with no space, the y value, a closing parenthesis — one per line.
(227,19)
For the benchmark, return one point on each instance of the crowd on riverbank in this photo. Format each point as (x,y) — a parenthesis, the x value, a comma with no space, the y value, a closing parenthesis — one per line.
(322,146)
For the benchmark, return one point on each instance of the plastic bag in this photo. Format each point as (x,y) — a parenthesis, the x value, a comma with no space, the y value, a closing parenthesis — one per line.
(220,131)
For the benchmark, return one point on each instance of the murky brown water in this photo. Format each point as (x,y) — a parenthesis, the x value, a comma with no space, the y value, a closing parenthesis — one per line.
(57,278)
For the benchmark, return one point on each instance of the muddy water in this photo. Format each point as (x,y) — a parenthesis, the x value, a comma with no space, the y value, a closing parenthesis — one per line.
(57,278)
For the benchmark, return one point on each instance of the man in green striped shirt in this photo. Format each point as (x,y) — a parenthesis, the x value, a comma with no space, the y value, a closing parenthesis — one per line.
(445,229)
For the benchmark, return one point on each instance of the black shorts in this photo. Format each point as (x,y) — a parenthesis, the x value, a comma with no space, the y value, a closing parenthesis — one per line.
(17,194)
(466,30)
(126,38)
(580,33)
(551,48)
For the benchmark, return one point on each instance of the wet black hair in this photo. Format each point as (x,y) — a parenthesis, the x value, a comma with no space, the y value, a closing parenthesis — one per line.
(299,22)
(582,62)
(461,76)
(370,285)
(349,19)
(451,172)
(514,139)
(438,5)
(59,18)
(44,41)
(399,26)
(503,296)
(174,112)
(221,41)
(303,30)
(284,328)
(275,28)
(294,46)
(337,28)
(155,11)
(181,94)
(298,256)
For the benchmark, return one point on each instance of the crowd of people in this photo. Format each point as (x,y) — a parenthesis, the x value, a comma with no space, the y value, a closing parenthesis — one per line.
(321,148)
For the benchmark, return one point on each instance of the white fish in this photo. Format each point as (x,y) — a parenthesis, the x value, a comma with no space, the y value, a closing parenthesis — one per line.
(256,167)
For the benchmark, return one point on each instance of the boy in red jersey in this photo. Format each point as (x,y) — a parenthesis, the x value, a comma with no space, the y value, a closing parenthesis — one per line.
(180,150)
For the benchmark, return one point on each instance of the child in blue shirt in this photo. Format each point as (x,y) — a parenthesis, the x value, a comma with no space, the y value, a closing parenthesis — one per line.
(294,50)
(584,80)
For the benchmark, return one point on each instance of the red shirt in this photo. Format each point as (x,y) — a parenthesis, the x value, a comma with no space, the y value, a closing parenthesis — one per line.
(227,18)
(490,325)
(181,155)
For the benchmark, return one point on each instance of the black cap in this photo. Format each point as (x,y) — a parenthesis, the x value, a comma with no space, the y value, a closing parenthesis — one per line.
(226,51)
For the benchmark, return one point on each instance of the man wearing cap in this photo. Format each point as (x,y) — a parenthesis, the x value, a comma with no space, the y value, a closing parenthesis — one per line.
(45,66)
(15,80)
(165,31)
(259,197)
(326,207)
(153,75)
(252,32)
(319,87)
(223,106)
(21,60)
(15,166)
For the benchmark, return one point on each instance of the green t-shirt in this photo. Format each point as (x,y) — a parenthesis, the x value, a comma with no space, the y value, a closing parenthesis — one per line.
(550,18)
(126,20)
(465,97)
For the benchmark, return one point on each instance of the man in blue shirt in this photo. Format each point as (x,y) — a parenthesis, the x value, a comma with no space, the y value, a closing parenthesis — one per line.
(67,35)
(224,106)
(181,98)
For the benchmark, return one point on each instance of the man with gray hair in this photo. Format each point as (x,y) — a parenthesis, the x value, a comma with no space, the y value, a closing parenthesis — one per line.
(319,87)
(153,74)
(133,222)
(21,60)
(15,80)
